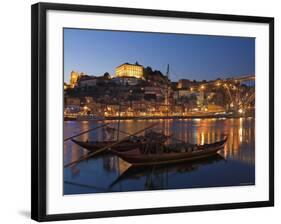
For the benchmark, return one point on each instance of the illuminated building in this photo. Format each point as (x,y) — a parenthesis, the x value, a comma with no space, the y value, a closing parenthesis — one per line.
(88,81)
(72,101)
(74,78)
(215,108)
(131,81)
(130,70)
(153,90)
(184,83)
(182,93)
(66,86)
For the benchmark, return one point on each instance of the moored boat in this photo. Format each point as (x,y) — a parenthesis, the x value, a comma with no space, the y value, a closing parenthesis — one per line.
(131,143)
(95,145)
(167,154)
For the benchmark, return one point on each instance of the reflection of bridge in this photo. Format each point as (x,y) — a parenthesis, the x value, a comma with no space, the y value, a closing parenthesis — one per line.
(240,98)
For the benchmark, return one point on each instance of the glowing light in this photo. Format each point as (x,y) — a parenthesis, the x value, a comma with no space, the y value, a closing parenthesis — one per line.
(240,133)
(240,111)
(202,139)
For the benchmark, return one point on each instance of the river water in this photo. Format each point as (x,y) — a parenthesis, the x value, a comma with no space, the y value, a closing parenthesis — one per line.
(233,166)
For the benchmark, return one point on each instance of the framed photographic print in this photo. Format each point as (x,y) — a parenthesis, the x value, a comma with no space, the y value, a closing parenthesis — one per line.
(139,111)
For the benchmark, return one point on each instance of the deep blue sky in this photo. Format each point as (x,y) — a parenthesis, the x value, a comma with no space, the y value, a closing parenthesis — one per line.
(199,57)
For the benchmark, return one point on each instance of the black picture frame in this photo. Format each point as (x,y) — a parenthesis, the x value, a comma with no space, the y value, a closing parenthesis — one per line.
(39,122)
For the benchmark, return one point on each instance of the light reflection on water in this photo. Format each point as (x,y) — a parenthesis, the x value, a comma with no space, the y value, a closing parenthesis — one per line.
(107,173)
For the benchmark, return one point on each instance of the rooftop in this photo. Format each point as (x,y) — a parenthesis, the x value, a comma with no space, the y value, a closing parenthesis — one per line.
(136,64)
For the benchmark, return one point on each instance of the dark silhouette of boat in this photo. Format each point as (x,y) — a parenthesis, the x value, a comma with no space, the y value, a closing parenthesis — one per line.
(133,142)
(168,154)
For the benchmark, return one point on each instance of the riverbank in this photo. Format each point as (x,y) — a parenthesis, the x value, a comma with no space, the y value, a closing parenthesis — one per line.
(204,116)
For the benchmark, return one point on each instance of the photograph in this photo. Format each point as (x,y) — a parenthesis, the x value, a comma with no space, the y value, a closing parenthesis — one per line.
(146,111)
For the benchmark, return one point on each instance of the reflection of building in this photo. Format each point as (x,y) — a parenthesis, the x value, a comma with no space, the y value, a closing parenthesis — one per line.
(129,70)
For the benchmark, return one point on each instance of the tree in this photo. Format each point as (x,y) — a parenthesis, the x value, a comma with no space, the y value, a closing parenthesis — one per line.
(106,75)
(147,72)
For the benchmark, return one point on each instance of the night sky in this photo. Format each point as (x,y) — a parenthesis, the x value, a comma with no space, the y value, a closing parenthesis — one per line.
(199,57)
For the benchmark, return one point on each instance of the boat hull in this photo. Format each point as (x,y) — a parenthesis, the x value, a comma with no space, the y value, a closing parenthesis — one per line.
(94,146)
(138,159)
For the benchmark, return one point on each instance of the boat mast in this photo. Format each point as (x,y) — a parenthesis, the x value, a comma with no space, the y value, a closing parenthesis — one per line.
(167,90)
(118,126)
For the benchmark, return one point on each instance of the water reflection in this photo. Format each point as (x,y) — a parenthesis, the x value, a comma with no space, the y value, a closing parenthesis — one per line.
(237,167)
(153,174)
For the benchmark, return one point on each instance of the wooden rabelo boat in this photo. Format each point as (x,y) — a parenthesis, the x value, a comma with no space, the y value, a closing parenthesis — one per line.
(131,143)
(169,154)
